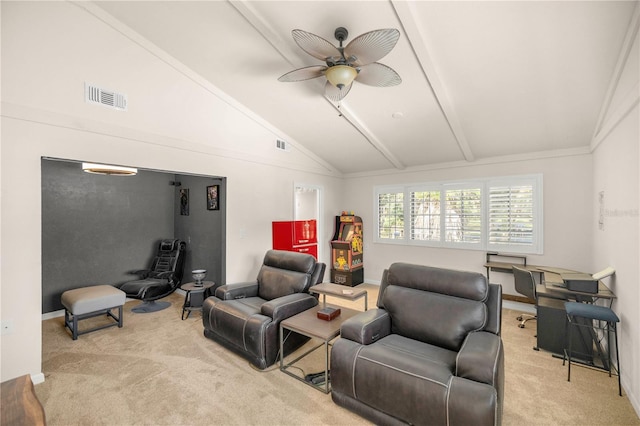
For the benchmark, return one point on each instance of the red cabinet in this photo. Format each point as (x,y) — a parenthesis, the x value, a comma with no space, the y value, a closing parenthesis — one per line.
(296,235)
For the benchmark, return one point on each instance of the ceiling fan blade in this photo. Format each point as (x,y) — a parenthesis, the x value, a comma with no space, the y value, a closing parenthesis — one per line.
(306,73)
(334,94)
(315,45)
(377,74)
(371,46)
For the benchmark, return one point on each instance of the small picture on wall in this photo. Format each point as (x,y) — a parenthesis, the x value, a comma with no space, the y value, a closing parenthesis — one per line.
(213,197)
(184,202)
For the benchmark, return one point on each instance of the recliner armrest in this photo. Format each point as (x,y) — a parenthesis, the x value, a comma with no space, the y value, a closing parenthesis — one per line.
(480,358)
(288,306)
(237,290)
(367,327)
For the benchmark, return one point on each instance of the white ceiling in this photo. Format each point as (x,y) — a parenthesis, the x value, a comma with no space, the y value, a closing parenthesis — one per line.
(480,78)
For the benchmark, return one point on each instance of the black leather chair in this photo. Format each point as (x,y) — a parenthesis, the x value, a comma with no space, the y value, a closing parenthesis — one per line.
(245,317)
(160,280)
(431,354)
(525,284)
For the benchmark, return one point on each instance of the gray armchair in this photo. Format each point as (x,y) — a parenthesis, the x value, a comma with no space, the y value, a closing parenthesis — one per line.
(430,354)
(245,317)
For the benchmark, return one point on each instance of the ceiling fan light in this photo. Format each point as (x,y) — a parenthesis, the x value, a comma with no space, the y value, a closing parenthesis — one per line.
(107,169)
(341,75)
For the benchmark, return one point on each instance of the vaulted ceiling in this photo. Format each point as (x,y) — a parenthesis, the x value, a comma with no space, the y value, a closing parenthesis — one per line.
(480,79)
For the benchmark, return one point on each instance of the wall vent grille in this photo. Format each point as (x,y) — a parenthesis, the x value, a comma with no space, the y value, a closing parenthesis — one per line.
(282,145)
(105,97)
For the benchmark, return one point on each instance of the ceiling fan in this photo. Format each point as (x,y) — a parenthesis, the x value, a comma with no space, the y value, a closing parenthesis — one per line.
(356,61)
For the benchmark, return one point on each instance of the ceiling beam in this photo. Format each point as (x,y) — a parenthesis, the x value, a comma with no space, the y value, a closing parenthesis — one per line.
(407,14)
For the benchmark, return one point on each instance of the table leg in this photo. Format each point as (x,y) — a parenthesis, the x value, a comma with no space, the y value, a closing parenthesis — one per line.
(326,366)
(281,349)
(184,306)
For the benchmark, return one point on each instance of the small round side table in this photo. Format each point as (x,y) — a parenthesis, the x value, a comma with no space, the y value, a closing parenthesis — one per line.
(194,296)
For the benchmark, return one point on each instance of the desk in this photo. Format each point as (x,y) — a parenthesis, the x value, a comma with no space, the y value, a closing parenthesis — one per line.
(551,292)
(552,286)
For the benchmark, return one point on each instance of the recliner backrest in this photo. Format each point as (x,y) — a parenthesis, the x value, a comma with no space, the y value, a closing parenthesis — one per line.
(435,305)
(285,272)
(170,258)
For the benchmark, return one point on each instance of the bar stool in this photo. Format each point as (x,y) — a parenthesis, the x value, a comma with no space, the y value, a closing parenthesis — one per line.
(593,318)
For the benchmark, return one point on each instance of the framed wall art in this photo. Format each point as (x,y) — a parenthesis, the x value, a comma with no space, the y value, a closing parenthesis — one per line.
(213,197)
(184,202)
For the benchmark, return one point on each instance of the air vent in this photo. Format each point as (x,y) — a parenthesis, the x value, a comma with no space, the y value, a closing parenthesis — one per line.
(105,97)
(282,145)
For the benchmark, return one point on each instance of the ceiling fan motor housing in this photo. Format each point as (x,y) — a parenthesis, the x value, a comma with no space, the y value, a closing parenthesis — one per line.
(341,34)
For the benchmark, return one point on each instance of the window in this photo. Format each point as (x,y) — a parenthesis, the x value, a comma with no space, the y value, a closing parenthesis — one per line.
(484,214)
(511,215)
(391,215)
(425,215)
(463,215)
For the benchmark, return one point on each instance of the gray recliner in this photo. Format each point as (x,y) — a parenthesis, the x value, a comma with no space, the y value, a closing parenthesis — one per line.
(430,354)
(245,317)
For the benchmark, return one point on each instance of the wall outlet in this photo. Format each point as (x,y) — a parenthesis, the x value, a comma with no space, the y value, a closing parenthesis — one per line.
(6,326)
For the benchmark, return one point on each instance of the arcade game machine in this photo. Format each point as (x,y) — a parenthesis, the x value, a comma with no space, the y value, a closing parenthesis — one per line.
(346,251)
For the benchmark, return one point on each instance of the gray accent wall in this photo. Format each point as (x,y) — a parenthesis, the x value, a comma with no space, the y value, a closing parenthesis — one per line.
(201,227)
(97,229)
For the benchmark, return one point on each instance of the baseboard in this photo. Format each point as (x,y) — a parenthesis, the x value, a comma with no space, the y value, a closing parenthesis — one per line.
(37,378)
(520,299)
(54,314)
(519,306)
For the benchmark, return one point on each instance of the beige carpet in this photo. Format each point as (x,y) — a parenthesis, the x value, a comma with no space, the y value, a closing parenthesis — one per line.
(160,370)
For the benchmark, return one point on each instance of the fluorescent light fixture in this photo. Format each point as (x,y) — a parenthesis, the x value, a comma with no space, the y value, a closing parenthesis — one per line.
(107,169)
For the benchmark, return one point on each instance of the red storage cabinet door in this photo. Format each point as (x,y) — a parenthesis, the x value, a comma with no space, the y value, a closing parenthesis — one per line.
(282,235)
(304,232)
(310,249)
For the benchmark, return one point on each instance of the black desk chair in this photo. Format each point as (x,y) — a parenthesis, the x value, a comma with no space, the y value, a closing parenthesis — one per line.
(525,285)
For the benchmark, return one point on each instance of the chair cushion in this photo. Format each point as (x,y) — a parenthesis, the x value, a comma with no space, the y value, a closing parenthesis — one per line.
(411,373)
(438,280)
(275,282)
(290,260)
(433,318)
(146,289)
(587,310)
(90,299)
(285,272)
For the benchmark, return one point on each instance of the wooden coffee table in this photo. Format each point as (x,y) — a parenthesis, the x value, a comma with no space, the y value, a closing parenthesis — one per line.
(307,323)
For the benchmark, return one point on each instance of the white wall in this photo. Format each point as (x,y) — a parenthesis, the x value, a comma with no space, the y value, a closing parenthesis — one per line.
(567,216)
(616,161)
(49,49)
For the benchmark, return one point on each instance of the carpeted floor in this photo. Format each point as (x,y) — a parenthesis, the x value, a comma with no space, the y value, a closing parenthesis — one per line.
(160,370)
